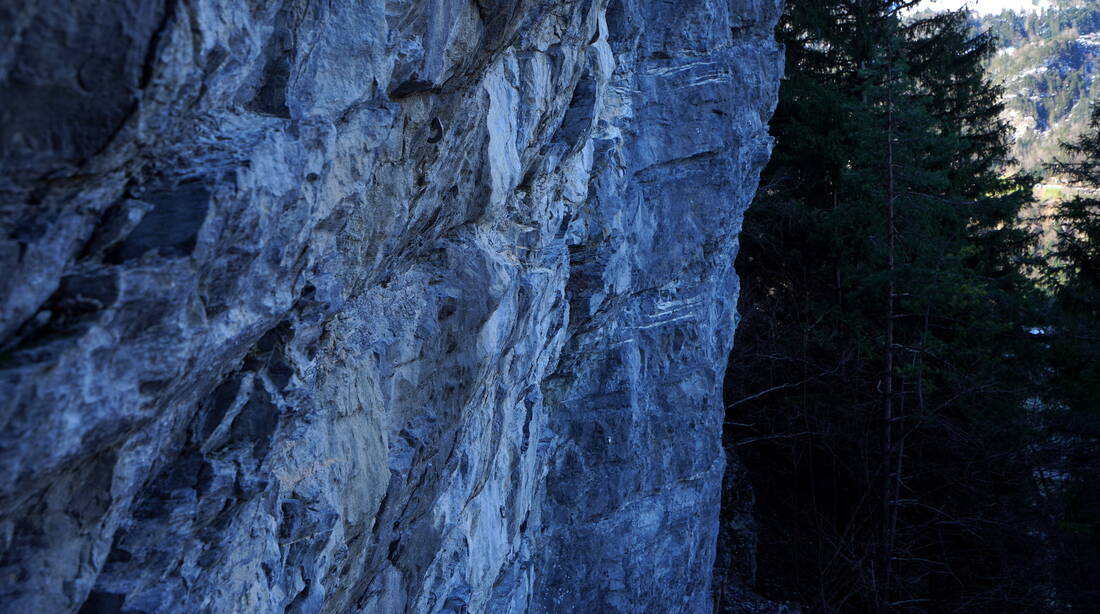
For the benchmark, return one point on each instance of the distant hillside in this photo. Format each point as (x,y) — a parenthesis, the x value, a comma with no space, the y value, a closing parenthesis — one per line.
(1049,62)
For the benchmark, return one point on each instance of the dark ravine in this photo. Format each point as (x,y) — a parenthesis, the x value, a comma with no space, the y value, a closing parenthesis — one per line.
(370,306)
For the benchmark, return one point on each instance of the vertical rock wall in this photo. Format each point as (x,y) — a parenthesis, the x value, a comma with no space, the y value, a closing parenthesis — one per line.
(370,306)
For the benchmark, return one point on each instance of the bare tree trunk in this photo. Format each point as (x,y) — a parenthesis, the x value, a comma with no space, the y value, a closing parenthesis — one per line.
(889,519)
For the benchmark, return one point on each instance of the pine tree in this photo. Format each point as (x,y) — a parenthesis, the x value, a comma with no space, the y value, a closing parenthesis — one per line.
(880,367)
(1071,403)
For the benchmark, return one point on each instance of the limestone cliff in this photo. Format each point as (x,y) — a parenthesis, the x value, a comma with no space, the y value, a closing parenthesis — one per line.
(370,305)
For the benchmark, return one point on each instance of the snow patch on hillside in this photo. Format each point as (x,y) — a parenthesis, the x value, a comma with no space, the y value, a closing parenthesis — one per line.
(988,7)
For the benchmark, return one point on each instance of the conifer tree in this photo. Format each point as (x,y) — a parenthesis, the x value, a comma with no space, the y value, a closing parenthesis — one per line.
(880,369)
(1069,459)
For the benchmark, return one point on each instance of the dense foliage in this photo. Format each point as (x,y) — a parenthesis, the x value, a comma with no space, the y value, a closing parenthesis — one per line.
(879,386)
(1068,456)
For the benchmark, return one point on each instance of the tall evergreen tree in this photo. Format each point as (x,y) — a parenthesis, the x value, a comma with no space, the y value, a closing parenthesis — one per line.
(1069,459)
(880,367)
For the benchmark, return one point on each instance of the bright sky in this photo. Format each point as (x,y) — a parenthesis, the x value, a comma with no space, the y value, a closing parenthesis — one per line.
(987,6)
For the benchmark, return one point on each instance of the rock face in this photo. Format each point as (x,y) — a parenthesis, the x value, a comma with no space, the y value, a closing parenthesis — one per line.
(370,306)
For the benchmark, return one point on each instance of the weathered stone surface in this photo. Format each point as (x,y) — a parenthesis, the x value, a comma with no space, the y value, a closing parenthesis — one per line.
(370,306)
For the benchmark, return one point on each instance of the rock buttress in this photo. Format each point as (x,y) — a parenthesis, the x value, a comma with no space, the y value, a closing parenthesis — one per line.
(345,306)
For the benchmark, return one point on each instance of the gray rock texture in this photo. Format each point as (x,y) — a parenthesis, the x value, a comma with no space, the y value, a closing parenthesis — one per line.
(370,305)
